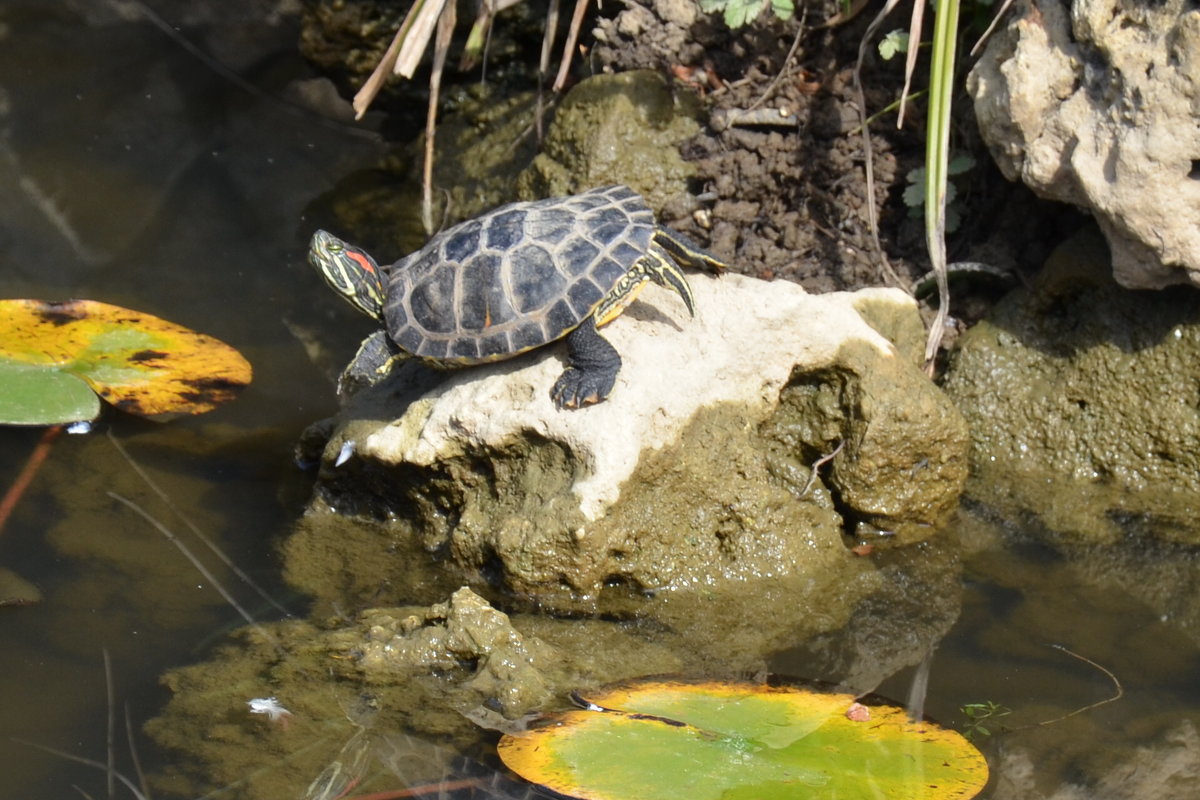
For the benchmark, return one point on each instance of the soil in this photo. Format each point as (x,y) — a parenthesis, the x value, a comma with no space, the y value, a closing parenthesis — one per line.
(788,199)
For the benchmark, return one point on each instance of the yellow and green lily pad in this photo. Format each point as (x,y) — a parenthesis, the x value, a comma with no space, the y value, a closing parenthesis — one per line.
(56,357)
(742,741)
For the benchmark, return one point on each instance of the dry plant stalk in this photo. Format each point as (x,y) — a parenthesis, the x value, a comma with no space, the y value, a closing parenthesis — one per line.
(408,46)
(404,53)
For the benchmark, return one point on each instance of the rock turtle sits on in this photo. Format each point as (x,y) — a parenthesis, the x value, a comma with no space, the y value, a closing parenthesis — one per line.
(518,277)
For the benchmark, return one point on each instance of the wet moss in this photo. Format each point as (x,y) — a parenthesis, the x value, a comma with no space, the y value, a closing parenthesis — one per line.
(1083,406)
(623,128)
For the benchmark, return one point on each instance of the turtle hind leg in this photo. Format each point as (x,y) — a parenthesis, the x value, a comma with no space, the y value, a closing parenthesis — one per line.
(686,252)
(592,366)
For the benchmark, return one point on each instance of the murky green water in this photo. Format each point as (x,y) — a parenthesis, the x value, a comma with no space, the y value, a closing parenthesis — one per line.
(135,174)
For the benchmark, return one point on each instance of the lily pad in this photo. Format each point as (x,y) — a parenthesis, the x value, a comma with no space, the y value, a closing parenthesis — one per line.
(53,356)
(742,741)
(34,395)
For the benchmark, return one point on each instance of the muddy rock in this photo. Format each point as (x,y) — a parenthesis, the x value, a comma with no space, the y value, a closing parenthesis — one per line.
(1094,103)
(1168,765)
(447,635)
(1080,410)
(697,472)
(622,128)
(343,690)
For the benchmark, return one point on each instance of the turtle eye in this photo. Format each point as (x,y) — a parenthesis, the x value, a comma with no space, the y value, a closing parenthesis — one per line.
(335,247)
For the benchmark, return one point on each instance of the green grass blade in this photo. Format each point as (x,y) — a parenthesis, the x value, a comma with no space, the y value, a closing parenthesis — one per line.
(937,159)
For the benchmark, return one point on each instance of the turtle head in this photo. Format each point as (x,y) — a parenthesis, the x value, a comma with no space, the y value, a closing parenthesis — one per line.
(350,271)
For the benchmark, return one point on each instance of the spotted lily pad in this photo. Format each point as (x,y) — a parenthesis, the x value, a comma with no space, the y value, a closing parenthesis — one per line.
(56,357)
(742,741)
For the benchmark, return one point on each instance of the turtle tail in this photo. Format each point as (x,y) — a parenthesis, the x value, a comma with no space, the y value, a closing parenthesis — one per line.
(685,252)
(662,269)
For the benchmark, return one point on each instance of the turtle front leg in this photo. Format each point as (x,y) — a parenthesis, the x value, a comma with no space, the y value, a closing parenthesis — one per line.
(592,366)
(376,355)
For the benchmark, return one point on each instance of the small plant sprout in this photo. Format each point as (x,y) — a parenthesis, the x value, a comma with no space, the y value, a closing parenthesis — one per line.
(270,706)
(742,12)
(914,193)
(892,44)
(978,713)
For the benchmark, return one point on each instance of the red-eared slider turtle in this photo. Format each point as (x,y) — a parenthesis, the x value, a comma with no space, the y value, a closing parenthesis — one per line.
(515,278)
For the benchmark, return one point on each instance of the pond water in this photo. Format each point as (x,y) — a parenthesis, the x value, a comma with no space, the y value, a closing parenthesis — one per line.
(136,173)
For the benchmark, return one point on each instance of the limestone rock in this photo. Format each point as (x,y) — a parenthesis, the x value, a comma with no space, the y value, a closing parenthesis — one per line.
(1095,103)
(696,472)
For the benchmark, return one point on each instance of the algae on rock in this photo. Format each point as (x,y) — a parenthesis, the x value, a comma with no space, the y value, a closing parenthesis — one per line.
(623,128)
(1083,404)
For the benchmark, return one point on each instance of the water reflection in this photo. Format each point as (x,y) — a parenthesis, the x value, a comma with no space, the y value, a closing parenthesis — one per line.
(136,174)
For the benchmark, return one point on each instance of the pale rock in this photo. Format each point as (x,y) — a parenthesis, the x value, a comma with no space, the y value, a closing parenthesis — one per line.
(696,472)
(672,367)
(1095,103)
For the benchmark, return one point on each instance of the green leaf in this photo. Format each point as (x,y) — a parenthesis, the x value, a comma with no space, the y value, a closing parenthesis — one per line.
(136,361)
(893,43)
(33,395)
(741,741)
(960,164)
(914,194)
(741,12)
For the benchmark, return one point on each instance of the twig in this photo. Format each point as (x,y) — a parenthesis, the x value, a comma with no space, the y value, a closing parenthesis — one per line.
(572,36)
(133,754)
(17,490)
(445,30)
(544,66)
(81,760)
(112,724)
(812,478)
(889,108)
(868,153)
(910,58)
(199,565)
(762,98)
(1120,690)
(208,542)
(992,27)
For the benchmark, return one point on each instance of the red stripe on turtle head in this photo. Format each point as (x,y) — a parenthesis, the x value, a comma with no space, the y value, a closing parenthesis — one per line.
(362,260)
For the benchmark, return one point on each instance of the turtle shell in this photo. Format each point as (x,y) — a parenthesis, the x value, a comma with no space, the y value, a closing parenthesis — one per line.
(517,277)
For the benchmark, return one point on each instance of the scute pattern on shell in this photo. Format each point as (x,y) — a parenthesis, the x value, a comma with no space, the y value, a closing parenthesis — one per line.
(517,277)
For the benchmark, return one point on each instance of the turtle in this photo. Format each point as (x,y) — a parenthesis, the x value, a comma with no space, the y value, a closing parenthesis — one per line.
(513,279)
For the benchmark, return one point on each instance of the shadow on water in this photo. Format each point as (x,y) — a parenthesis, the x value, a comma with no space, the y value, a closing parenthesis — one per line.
(136,174)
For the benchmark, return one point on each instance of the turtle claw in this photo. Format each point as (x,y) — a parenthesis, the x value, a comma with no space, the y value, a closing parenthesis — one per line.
(592,366)
(578,389)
